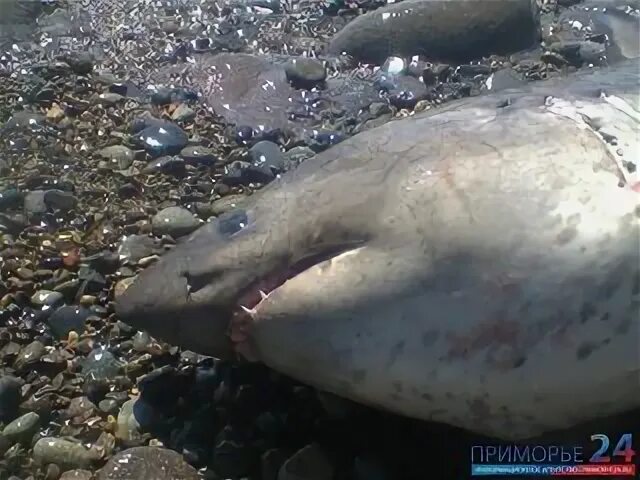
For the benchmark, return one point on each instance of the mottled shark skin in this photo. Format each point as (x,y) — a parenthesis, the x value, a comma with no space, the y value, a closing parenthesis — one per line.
(450,30)
(478,265)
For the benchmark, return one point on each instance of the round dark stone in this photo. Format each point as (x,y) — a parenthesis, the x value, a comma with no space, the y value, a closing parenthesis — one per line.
(268,154)
(165,139)
(68,318)
(9,397)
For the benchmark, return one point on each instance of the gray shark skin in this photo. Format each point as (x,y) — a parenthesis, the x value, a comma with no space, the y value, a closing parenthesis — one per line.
(478,265)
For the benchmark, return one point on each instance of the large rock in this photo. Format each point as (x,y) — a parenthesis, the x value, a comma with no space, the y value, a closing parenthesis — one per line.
(147,463)
(440,29)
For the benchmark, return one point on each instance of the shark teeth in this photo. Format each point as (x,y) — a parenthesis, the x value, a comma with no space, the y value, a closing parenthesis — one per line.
(250,311)
(263,295)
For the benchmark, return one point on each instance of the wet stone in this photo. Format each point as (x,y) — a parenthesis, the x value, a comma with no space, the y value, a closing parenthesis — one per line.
(135,247)
(64,453)
(469,70)
(165,139)
(79,408)
(323,139)
(10,397)
(243,134)
(174,221)
(10,198)
(121,157)
(305,72)
(80,62)
(403,91)
(24,121)
(29,355)
(34,203)
(147,463)
(60,200)
(198,155)
(162,96)
(22,429)
(267,153)
(244,173)
(109,406)
(68,318)
(100,364)
(108,99)
(170,165)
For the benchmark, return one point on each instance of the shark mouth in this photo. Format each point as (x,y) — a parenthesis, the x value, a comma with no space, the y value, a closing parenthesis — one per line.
(248,302)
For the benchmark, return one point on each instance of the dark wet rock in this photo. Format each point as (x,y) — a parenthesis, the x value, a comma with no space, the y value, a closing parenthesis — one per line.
(108,99)
(24,120)
(101,364)
(22,429)
(79,408)
(198,155)
(64,453)
(10,397)
(165,139)
(34,203)
(267,153)
(170,165)
(92,281)
(126,89)
(162,96)
(109,406)
(11,198)
(47,298)
(310,463)
(323,139)
(454,30)
(305,72)
(68,318)
(29,354)
(80,62)
(174,221)
(576,53)
(162,388)
(243,133)
(60,200)
(471,70)
(403,91)
(121,157)
(147,463)
(135,247)
(244,173)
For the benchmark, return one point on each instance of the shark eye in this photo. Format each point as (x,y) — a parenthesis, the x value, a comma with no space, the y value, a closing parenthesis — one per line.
(232,222)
